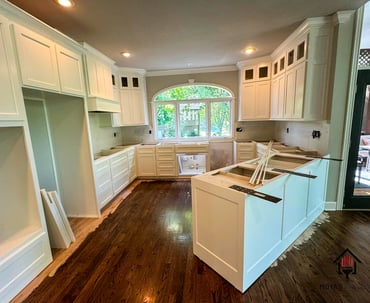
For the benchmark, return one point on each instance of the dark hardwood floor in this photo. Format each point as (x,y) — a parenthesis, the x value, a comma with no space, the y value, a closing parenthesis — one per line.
(143,253)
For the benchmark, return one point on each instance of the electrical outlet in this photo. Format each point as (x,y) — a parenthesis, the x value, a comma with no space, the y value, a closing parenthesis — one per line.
(316,134)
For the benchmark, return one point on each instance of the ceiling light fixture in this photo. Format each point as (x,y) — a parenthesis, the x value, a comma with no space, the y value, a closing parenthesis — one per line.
(65,3)
(249,50)
(126,54)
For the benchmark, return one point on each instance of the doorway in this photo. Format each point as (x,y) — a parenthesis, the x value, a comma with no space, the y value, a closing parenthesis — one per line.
(357,187)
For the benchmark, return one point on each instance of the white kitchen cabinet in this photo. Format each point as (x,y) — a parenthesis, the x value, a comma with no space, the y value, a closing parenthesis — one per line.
(11,102)
(244,151)
(258,72)
(112,175)
(294,80)
(133,101)
(240,235)
(303,82)
(99,82)
(277,97)
(46,64)
(254,89)
(119,171)
(166,161)
(70,71)
(99,77)
(37,59)
(146,161)
(131,164)
(103,181)
(255,101)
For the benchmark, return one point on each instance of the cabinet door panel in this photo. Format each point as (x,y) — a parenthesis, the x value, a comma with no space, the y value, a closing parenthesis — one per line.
(290,94)
(262,102)
(37,59)
(70,71)
(126,116)
(137,107)
(299,91)
(247,102)
(10,107)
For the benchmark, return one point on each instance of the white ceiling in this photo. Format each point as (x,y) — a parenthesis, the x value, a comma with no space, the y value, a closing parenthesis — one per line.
(179,34)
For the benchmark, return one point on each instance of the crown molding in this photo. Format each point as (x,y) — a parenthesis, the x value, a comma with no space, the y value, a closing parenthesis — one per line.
(214,69)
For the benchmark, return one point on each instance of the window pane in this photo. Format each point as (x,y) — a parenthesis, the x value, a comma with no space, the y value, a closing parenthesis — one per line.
(193,120)
(165,121)
(220,119)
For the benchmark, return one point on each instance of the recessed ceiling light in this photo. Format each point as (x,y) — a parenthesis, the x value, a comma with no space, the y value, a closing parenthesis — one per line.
(126,54)
(249,50)
(65,3)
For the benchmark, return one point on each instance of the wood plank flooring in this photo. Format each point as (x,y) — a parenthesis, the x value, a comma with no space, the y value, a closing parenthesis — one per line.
(142,252)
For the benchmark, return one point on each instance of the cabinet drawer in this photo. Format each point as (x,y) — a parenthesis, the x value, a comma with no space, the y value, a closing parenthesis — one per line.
(118,165)
(166,171)
(120,181)
(104,192)
(165,149)
(166,157)
(146,150)
(246,147)
(192,148)
(164,164)
(246,155)
(102,172)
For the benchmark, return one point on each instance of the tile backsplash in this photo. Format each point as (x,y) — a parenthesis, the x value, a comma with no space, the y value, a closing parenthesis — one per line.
(300,134)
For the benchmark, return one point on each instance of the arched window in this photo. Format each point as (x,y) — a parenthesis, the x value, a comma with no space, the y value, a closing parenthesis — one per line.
(193,111)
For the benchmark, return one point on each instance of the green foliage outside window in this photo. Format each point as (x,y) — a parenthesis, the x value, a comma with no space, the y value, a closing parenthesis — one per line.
(193,117)
(191,92)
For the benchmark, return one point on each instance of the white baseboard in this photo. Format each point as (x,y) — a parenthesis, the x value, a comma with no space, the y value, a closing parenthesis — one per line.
(330,205)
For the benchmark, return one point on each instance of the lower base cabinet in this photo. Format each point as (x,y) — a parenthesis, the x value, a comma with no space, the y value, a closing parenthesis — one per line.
(103,181)
(146,161)
(112,174)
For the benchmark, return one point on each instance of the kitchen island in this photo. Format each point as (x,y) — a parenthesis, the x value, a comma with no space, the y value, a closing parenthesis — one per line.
(240,229)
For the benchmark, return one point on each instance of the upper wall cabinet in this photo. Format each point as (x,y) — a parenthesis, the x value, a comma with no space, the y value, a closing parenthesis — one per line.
(300,68)
(47,65)
(132,95)
(254,85)
(100,81)
(11,107)
(70,71)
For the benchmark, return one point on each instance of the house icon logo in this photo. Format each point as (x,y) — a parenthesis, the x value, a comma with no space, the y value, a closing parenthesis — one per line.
(347,263)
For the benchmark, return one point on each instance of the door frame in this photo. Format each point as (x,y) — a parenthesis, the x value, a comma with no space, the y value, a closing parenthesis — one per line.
(350,201)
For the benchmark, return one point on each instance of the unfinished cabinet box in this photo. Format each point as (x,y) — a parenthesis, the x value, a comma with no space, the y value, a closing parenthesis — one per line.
(244,151)
(240,234)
